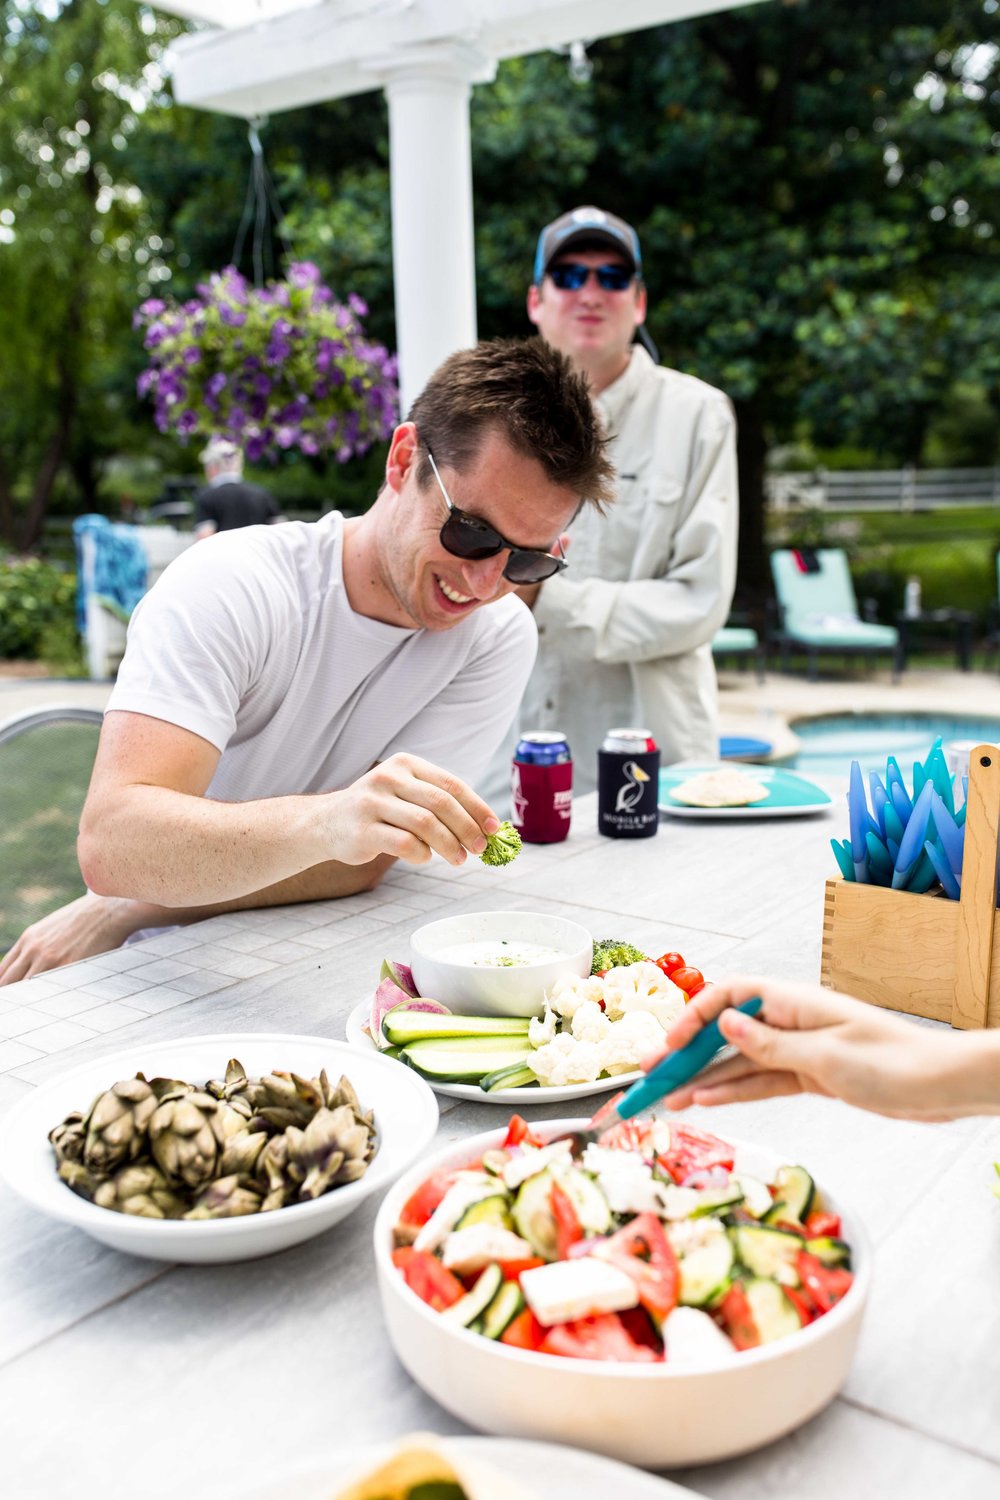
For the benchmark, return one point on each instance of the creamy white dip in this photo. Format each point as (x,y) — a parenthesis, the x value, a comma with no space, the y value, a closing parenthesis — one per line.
(497,953)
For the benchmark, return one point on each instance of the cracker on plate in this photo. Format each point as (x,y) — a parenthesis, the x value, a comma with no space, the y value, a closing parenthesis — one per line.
(724,788)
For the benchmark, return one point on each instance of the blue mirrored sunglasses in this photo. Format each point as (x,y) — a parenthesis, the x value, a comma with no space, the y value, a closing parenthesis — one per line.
(570,276)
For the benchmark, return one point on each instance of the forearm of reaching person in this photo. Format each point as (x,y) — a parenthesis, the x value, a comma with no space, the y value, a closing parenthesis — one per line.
(813,1040)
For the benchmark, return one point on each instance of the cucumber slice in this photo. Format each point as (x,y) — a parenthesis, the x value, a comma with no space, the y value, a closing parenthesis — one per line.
(421,1025)
(717,1201)
(589,1201)
(830,1251)
(495,1210)
(766,1251)
(705,1273)
(772,1312)
(472,1306)
(757,1198)
(508,1078)
(502,1311)
(533,1219)
(462,1059)
(495,1160)
(793,1197)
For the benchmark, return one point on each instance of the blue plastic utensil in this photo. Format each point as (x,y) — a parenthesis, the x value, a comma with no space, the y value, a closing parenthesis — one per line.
(670,1073)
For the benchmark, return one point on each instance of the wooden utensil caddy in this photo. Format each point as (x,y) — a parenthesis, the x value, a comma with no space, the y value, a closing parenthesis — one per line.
(926,955)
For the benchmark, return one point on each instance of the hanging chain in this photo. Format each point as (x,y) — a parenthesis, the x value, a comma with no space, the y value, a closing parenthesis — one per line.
(261,208)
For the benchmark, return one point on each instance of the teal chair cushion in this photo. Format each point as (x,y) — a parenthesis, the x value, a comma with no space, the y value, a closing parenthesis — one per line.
(734,640)
(821,609)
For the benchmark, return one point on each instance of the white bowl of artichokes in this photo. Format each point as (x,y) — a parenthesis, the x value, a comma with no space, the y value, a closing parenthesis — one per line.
(223,1149)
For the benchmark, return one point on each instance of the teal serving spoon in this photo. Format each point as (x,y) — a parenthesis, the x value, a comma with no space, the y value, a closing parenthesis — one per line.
(670,1073)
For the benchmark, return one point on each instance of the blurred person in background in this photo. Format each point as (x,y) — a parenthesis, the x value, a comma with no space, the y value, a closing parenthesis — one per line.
(227,500)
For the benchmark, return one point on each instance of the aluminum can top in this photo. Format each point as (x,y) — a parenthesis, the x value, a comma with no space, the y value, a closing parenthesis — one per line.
(542,747)
(628,741)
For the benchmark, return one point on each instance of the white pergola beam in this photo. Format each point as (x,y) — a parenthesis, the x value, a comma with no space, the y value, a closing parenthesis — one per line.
(288,59)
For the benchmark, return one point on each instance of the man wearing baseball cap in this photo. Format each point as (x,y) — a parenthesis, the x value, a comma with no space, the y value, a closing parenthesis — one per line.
(625,636)
(227,501)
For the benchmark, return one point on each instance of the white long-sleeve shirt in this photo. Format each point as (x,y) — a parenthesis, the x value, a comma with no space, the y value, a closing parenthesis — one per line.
(625,634)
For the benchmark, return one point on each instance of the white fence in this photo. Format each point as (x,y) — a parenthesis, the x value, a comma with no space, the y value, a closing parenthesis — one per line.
(883,489)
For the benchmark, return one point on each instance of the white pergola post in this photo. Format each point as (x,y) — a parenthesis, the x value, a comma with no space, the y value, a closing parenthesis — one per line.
(433,248)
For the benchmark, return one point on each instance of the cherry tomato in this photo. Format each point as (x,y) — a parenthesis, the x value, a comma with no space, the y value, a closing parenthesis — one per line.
(421,1204)
(601,1337)
(669,962)
(525,1332)
(644,1253)
(425,1275)
(686,979)
(568,1226)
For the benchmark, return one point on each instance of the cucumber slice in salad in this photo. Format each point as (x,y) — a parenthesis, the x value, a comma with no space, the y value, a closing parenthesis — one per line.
(794,1191)
(764,1250)
(502,1311)
(495,1210)
(831,1252)
(533,1210)
(772,1312)
(472,1306)
(705,1273)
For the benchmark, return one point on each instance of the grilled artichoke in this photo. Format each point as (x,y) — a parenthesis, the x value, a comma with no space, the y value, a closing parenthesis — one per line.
(116,1126)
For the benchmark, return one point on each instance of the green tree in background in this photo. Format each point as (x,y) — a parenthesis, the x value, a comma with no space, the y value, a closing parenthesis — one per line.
(74,81)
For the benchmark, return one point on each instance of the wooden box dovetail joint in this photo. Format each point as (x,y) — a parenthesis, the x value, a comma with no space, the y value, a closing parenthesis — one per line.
(927,955)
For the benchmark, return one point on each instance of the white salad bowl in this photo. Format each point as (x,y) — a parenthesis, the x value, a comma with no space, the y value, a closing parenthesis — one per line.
(488,990)
(654,1415)
(406,1117)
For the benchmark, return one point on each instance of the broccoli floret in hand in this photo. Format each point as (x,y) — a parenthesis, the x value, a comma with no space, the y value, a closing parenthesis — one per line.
(502,846)
(610,953)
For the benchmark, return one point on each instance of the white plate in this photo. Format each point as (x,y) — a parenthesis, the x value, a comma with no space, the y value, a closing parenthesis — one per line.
(406,1116)
(548,1470)
(542,1094)
(789,795)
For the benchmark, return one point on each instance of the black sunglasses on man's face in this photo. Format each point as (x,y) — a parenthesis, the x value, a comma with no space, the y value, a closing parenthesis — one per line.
(468,537)
(568,276)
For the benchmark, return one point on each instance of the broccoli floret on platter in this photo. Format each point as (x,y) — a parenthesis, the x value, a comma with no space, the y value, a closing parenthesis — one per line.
(502,846)
(611,953)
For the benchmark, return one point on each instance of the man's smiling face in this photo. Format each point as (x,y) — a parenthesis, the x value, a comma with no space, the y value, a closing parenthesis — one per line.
(428,586)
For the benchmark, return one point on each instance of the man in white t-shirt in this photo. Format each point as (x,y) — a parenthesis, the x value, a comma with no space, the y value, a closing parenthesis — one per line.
(301,705)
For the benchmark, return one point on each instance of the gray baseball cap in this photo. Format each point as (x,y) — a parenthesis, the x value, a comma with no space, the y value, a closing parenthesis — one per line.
(586,226)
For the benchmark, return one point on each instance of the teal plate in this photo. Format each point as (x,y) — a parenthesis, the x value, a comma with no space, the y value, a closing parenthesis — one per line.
(788,795)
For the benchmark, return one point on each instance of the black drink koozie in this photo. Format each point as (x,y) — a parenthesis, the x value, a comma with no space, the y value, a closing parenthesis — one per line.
(628,789)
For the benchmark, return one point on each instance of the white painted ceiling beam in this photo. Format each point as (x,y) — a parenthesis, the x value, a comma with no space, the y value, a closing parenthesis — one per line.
(286,59)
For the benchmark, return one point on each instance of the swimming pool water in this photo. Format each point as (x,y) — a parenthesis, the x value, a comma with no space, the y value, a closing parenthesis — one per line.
(828,745)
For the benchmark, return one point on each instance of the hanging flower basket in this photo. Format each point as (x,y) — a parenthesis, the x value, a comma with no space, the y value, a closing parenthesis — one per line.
(271,368)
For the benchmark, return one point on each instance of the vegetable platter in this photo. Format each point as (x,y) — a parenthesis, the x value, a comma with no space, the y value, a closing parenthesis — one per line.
(592,1034)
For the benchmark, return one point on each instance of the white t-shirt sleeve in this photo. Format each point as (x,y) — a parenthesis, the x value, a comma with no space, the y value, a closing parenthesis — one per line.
(465,722)
(197,642)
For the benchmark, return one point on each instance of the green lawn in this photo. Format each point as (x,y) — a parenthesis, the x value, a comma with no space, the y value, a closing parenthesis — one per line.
(43,780)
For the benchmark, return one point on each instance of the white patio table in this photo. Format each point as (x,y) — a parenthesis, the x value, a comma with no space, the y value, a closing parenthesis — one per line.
(125,1377)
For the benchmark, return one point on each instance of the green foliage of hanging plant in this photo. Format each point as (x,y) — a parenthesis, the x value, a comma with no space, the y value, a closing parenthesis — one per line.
(272,368)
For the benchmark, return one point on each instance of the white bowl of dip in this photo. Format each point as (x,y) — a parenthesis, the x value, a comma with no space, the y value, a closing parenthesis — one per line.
(497,963)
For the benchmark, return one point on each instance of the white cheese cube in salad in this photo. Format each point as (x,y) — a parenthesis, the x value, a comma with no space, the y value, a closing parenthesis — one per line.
(691,1337)
(533,1160)
(467,1189)
(569,1289)
(625,1179)
(473,1249)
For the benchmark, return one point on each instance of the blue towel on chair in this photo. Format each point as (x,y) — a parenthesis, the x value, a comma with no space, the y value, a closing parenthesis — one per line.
(120,565)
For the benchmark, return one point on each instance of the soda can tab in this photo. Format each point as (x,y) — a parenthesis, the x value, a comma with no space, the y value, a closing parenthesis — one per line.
(628,785)
(541,787)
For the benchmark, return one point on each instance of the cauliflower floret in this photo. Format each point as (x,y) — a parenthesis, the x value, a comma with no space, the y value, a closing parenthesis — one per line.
(565,1060)
(642,987)
(590,1024)
(572,990)
(542,1029)
(630,1040)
